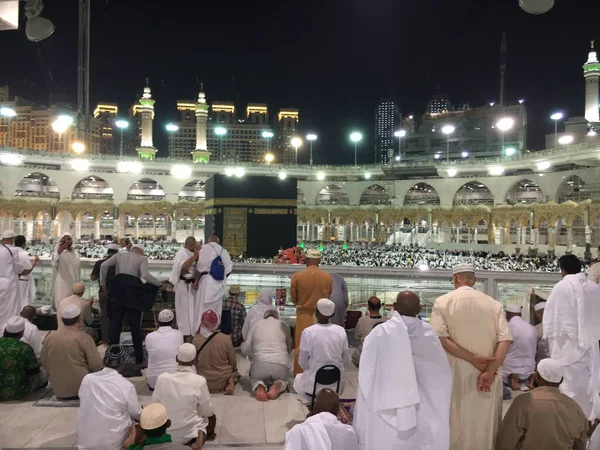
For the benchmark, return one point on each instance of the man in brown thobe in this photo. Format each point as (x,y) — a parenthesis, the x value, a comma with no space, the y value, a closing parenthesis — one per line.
(308,287)
(544,419)
(473,330)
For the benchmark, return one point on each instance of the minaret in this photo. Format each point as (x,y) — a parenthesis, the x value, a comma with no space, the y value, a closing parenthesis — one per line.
(201,153)
(591,73)
(146,150)
(502,67)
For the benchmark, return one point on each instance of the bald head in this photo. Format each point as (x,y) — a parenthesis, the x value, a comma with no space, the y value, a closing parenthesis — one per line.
(408,304)
(326,401)
(214,238)
(190,243)
(28,313)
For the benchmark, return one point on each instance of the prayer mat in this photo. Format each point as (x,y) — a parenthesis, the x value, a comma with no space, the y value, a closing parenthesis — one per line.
(344,414)
(49,400)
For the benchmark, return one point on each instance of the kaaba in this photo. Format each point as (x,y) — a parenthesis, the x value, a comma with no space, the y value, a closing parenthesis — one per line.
(252,215)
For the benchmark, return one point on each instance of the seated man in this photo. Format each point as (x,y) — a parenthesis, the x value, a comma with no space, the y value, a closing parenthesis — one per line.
(321,344)
(322,430)
(162,346)
(216,357)
(365,324)
(154,423)
(20,372)
(237,313)
(544,418)
(109,405)
(519,364)
(87,317)
(186,397)
(268,346)
(69,355)
(31,335)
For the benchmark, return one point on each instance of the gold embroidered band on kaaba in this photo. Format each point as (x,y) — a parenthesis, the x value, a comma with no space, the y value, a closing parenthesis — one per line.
(274,202)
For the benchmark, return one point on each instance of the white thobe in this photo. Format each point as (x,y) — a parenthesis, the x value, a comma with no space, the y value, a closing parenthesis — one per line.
(257,312)
(405,385)
(210,291)
(322,431)
(320,345)
(187,310)
(185,395)
(65,273)
(109,404)
(10,268)
(162,345)
(26,282)
(571,319)
(520,359)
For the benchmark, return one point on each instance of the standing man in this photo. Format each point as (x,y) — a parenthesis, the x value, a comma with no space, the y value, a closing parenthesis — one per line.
(213,268)
(594,270)
(26,281)
(65,269)
(571,319)
(308,286)
(182,276)
(473,330)
(237,315)
(339,296)
(543,351)
(132,291)
(10,269)
(519,364)
(111,250)
(406,352)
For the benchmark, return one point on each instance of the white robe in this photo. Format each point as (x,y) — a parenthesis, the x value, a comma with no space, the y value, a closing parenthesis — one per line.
(26,282)
(520,359)
(322,431)
(65,273)
(10,268)
(187,309)
(405,384)
(571,319)
(257,312)
(210,291)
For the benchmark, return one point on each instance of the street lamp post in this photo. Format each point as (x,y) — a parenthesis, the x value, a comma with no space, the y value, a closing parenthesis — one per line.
(504,124)
(121,124)
(9,113)
(220,132)
(356,137)
(400,134)
(310,138)
(172,129)
(448,130)
(296,142)
(556,117)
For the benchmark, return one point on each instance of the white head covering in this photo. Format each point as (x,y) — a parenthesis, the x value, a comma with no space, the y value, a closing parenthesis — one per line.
(186,353)
(112,247)
(71,311)
(265,297)
(313,254)
(326,307)
(8,234)
(153,416)
(550,370)
(15,325)
(512,308)
(166,315)
(462,268)
(140,246)
(257,312)
(540,305)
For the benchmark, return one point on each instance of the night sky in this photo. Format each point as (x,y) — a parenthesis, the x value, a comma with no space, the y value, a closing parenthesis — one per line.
(332,59)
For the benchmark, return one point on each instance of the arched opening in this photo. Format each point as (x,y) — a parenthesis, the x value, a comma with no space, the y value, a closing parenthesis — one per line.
(92,187)
(146,189)
(422,194)
(573,188)
(161,226)
(145,224)
(543,232)
(473,193)
(42,226)
(37,184)
(107,225)
(560,232)
(578,232)
(480,235)
(513,232)
(525,191)
(65,223)
(463,233)
(375,195)
(193,191)
(87,224)
(301,199)
(332,195)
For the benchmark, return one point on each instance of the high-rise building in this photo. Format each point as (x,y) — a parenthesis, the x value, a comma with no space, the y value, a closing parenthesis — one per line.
(591,72)
(183,141)
(4,94)
(387,121)
(439,104)
(223,112)
(106,114)
(287,128)
(257,113)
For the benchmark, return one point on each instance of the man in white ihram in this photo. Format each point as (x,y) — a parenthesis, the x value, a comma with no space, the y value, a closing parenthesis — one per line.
(10,268)
(571,319)
(519,365)
(162,346)
(405,383)
(182,277)
(65,269)
(321,344)
(210,290)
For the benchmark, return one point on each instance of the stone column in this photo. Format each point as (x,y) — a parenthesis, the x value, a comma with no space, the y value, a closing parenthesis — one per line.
(77,229)
(519,236)
(506,239)
(475,235)
(97,229)
(569,238)
(551,238)
(137,228)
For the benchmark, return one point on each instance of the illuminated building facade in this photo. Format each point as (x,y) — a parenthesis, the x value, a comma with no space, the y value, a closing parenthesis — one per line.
(387,121)
(287,128)
(106,114)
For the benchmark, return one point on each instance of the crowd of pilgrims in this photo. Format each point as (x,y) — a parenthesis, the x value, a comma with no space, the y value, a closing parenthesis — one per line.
(351,254)
(421,385)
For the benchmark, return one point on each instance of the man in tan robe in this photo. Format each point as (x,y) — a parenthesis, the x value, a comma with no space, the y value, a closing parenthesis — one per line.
(87,316)
(308,287)
(473,330)
(69,355)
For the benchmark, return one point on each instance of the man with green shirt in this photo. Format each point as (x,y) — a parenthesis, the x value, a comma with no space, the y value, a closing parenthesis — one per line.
(20,371)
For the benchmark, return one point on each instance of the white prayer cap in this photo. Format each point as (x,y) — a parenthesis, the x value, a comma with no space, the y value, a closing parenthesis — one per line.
(153,416)
(462,268)
(71,311)
(326,307)
(8,234)
(112,247)
(512,308)
(540,305)
(15,325)
(313,254)
(166,315)
(186,353)
(550,370)
(140,246)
